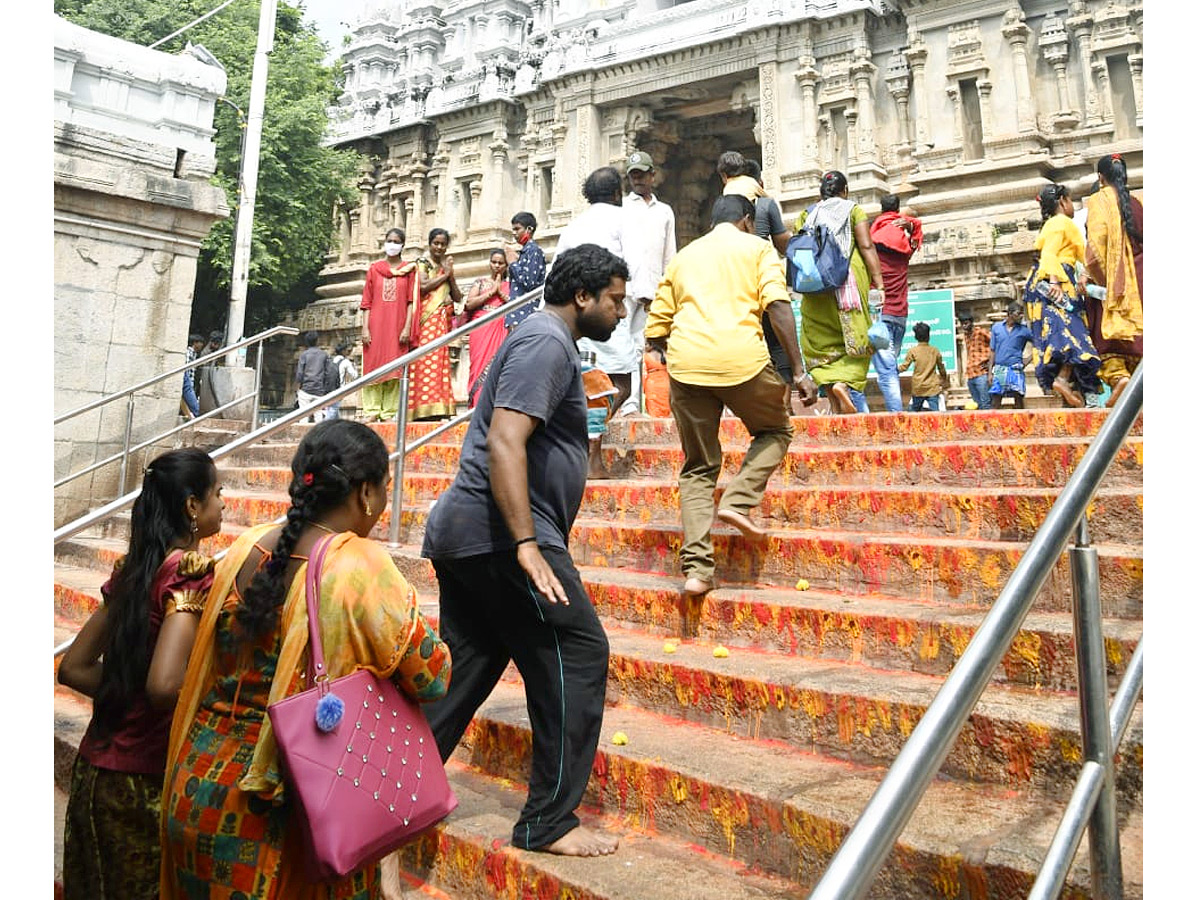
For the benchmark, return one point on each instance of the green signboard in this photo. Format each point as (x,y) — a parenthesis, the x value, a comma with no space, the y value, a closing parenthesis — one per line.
(935,309)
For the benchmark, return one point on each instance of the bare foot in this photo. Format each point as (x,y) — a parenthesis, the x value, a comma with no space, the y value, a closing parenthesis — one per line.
(580,841)
(741,522)
(1117,391)
(840,399)
(1069,395)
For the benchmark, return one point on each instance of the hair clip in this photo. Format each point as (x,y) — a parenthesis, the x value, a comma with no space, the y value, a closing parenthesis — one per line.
(1116,157)
(339,470)
(307,478)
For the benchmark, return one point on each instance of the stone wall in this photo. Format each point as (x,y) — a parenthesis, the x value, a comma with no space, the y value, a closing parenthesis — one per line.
(133,153)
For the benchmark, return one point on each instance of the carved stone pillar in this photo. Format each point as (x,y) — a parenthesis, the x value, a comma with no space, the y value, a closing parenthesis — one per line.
(1016,32)
(1094,106)
(768,111)
(586,130)
(1055,45)
(475,220)
(956,117)
(917,54)
(862,70)
(408,214)
(415,235)
(1135,73)
(558,133)
(499,149)
(361,222)
(824,140)
(852,156)
(985,108)
(897,79)
(807,78)
(1098,95)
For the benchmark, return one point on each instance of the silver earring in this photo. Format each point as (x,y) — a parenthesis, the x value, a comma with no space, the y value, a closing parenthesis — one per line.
(195,527)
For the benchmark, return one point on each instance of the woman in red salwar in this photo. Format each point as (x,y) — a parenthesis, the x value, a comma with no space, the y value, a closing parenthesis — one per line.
(389,303)
(430,395)
(488,292)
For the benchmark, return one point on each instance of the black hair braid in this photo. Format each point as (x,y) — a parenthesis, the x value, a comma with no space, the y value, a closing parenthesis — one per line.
(331,461)
(158,520)
(1113,170)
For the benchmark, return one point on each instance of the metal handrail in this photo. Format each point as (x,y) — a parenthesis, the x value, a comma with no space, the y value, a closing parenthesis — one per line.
(862,853)
(128,393)
(199,361)
(400,363)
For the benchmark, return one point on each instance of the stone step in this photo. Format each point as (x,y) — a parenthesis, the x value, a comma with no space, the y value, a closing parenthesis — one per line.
(1042,462)
(469,857)
(1016,737)
(882,632)
(990,513)
(902,633)
(784,811)
(901,428)
(942,570)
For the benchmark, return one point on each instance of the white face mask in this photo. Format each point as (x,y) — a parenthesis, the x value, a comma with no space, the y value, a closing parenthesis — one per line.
(391,248)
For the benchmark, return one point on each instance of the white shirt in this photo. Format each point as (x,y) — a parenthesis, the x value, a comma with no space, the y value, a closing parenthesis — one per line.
(604,224)
(600,223)
(651,228)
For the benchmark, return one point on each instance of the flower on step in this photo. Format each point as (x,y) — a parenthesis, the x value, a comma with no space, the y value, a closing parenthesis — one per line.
(620,738)
(720,652)
(329,712)
(802,584)
(669,647)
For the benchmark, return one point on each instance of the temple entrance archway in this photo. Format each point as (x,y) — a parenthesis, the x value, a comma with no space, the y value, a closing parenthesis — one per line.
(685,140)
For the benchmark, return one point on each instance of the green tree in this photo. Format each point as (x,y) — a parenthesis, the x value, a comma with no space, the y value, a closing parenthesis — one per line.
(299,179)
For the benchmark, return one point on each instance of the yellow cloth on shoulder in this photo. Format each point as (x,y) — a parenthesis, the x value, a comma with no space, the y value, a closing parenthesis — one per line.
(1109,251)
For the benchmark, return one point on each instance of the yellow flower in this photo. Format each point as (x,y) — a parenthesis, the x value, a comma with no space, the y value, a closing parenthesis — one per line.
(802,585)
(620,739)
(720,652)
(669,647)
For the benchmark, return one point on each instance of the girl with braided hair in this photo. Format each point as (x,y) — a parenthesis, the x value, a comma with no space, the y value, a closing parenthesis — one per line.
(1114,260)
(1066,361)
(226,814)
(130,658)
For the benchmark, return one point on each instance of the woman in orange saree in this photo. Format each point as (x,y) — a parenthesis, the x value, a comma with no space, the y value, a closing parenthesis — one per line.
(430,395)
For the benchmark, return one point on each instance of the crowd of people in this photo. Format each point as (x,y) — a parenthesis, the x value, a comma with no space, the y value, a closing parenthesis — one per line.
(178,790)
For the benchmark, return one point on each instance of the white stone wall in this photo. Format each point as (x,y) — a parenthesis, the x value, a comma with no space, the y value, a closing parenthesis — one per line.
(133,153)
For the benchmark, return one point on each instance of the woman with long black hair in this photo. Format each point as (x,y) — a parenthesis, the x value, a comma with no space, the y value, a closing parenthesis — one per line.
(1114,260)
(130,658)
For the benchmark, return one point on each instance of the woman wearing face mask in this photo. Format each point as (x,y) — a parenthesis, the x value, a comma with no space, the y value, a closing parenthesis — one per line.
(430,394)
(390,302)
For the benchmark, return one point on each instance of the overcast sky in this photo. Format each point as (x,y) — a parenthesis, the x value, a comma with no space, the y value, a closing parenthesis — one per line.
(329,16)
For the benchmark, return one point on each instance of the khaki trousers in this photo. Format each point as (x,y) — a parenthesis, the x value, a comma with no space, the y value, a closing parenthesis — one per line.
(761,404)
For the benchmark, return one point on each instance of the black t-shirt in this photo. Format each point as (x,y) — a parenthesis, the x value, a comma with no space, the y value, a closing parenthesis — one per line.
(536,372)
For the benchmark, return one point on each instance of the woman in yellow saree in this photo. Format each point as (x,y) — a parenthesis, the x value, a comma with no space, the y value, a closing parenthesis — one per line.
(1114,260)
(227,826)
(430,395)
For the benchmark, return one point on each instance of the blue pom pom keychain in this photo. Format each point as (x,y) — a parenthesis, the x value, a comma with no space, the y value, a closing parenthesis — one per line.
(329,711)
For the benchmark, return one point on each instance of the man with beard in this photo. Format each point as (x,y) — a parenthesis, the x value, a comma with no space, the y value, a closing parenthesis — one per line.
(498,542)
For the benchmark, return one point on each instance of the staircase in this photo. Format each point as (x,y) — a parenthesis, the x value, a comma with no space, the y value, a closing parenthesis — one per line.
(741,774)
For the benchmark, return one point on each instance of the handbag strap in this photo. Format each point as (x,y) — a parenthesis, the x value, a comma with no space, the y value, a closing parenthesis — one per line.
(312,598)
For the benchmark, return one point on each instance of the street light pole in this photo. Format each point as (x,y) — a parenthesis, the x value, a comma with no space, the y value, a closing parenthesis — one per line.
(248,184)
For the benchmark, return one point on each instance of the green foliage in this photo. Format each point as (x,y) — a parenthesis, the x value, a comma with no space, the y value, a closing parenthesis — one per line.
(299,180)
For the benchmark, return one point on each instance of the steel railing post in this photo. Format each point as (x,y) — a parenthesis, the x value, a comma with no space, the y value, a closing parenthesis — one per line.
(398,466)
(125,445)
(1104,839)
(258,359)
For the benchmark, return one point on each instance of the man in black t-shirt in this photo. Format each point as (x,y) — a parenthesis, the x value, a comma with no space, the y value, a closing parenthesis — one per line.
(498,541)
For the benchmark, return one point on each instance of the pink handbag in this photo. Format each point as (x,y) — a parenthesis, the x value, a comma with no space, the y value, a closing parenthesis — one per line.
(359,759)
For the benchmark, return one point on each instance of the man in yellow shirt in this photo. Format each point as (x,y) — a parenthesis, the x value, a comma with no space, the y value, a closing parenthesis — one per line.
(707,319)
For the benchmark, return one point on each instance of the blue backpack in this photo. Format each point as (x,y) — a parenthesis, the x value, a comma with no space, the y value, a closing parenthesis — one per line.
(815,262)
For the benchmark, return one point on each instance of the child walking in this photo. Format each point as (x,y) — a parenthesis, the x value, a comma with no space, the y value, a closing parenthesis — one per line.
(929,372)
(130,658)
